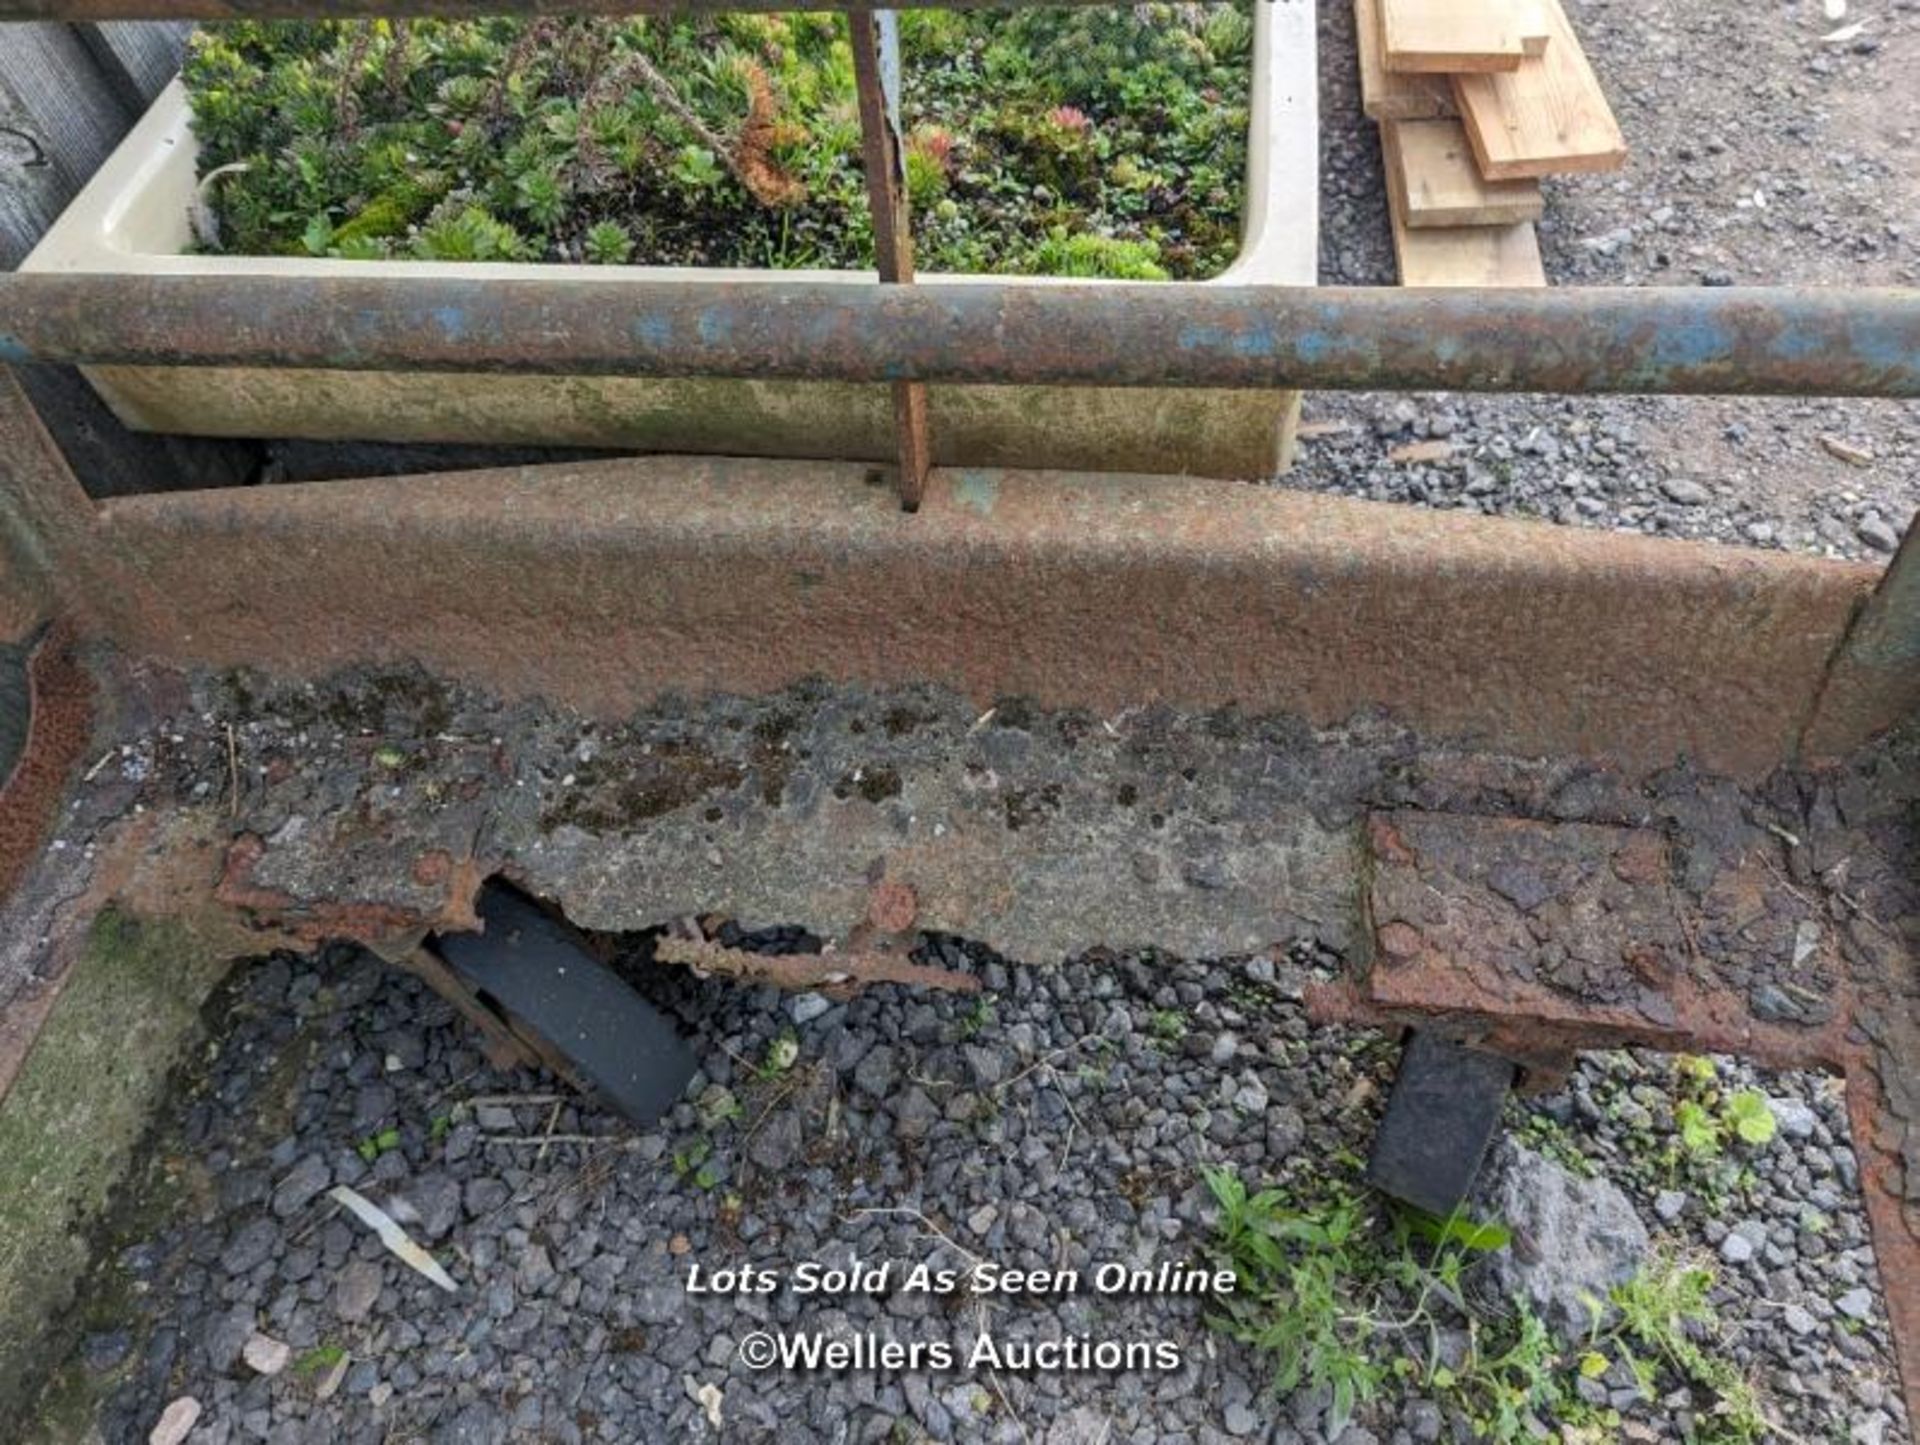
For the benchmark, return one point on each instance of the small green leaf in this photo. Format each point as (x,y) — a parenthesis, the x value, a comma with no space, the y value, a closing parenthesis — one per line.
(322,1357)
(1593,1364)
(1696,1068)
(1226,1187)
(782,1052)
(1751,1117)
(1697,1129)
(1480,1236)
(318,236)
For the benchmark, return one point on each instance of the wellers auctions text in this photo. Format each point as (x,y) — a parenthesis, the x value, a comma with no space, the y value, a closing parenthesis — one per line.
(1046,1356)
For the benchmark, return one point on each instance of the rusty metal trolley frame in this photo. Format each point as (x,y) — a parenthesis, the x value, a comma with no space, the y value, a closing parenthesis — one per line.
(1556,641)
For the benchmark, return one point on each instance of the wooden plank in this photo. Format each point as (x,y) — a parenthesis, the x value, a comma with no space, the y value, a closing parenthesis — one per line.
(1452,37)
(1430,167)
(33,189)
(138,57)
(1385,95)
(1549,116)
(1535,28)
(53,93)
(1465,255)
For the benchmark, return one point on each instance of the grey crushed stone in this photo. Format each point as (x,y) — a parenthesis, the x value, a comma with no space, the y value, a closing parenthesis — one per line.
(573,1308)
(1574,1239)
(301,1186)
(1778,160)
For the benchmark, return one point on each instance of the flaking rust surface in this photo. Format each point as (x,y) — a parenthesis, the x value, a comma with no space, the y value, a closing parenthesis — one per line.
(1787,931)
(60,701)
(1605,928)
(1569,910)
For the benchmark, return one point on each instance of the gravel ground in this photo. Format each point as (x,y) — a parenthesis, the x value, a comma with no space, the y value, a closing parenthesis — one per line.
(1760,155)
(1059,1120)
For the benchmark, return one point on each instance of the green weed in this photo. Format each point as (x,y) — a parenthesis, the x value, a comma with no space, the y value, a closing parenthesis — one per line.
(695,1162)
(1352,1295)
(1167,1026)
(976,1019)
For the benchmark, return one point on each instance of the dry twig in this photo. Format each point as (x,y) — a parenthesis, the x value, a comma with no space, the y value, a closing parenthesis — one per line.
(827,971)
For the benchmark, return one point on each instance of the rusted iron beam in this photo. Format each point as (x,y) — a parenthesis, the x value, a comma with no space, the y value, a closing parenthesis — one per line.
(454,9)
(1107,589)
(60,719)
(884,162)
(45,514)
(1756,341)
(838,975)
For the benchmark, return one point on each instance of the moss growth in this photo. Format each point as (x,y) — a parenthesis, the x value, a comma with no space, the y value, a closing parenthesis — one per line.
(624,786)
(80,1103)
(1079,142)
(875,784)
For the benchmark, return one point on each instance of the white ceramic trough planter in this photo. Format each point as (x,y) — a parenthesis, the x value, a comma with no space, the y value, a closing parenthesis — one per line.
(132,220)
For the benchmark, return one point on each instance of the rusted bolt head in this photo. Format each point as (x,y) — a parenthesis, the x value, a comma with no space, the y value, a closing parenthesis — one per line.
(1400,941)
(891,906)
(432,868)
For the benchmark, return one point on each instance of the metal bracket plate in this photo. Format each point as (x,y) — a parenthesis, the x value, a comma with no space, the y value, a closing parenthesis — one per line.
(1442,1115)
(529,964)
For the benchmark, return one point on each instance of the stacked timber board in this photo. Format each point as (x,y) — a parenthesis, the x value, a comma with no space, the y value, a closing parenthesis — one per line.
(1477,100)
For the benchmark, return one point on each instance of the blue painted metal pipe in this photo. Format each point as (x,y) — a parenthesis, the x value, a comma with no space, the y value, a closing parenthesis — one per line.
(1760,341)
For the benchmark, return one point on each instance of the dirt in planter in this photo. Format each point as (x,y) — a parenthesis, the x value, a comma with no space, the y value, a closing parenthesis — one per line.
(1080,142)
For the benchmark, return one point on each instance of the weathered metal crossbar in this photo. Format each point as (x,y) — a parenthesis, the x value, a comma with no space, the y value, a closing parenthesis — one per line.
(1756,341)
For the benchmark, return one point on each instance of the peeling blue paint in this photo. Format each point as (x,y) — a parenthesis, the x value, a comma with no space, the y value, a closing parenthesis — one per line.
(1878,347)
(716,327)
(1799,345)
(977,491)
(1256,342)
(1314,346)
(452,321)
(1690,343)
(655,332)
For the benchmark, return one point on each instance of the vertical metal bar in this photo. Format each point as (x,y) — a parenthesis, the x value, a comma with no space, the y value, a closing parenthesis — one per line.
(1873,679)
(46,517)
(885,163)
(60,559)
